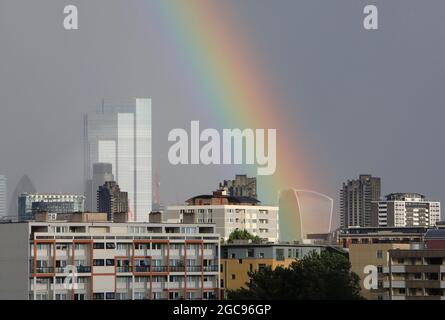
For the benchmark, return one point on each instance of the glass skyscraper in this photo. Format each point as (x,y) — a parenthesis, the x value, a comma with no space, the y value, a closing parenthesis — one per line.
(120,134)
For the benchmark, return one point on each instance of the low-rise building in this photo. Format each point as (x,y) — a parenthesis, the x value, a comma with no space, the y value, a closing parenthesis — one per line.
(240,258)
(354,235)
(83,256)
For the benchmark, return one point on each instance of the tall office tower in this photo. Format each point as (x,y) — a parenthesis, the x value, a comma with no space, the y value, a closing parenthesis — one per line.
(102,172)
(120,134)
(356,198)
(111,200)
(25,185)
(405,210)
(30,204)
(242,186)
(3,196)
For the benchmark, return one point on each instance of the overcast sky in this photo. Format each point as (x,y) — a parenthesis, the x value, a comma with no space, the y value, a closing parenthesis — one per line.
(369,102)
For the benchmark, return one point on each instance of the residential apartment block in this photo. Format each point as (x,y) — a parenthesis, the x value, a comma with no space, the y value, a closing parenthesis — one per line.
(404,210)
(418,273)
(355,201)
(83,256)
(228,214)
(372,254)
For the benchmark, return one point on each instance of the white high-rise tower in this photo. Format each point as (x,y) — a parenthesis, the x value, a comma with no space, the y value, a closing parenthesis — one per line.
(120,134)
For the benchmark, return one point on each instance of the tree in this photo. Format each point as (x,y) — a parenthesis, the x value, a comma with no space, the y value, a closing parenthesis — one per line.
(243,235)
(324,276)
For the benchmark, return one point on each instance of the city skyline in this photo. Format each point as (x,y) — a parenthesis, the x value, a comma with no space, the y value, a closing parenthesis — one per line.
(331,119)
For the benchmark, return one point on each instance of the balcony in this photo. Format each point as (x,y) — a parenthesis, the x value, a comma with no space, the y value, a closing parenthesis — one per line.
(395,269)
(124,269)
(176,253)
(158,285)
(209,285)
(45,270)
(40,287)
(62,270)
(83,269)
(395,284)
(175,285)
(194,268)
(213,268)
(177,268)
(158,269)
(142,269)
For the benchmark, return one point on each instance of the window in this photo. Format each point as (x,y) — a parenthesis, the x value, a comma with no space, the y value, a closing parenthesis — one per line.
(261,267)
(109,262)
(233,276)
(280,254)
(156,246)
(233,256)
(122,246)
(261,255)
(379,269)
(250,253)
(60,296)
(61,246)
(379,254)
(98,296)
(111,245)
(109,295)
(79,296)
(121,296)
(98,245)
(98,262)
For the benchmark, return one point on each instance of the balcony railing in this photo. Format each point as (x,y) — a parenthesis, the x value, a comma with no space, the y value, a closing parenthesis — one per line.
(62,270)
(44,269)
(124,269)
(194,268)
(177,268)
(83,269)
(213,268)
(142,269)
(159,268)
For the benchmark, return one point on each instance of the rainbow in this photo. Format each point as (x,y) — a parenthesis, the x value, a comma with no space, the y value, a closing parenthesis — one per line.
(236,90)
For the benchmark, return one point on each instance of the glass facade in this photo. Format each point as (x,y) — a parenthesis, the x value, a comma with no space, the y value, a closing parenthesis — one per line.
(52,203)
(120,134)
